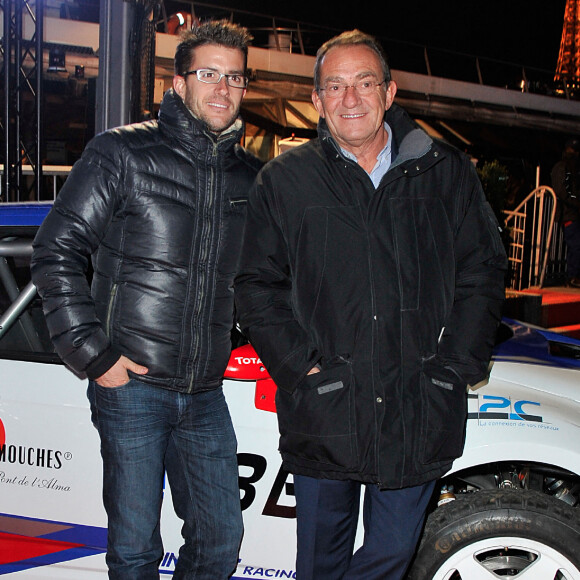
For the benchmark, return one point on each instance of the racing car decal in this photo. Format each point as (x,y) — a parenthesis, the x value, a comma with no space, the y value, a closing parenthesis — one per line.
(489,408)
(27,543)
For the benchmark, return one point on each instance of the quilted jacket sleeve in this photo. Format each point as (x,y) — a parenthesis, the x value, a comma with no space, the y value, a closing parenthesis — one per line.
(68,237)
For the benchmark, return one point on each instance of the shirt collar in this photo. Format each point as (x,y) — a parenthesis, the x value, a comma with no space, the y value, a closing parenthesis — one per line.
(384,158)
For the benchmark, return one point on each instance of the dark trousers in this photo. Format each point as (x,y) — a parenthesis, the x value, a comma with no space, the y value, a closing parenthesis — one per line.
(572,239)
(327,516)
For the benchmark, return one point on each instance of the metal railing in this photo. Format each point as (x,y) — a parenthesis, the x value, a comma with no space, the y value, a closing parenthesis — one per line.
(55,174)
(533,231)
(19,299)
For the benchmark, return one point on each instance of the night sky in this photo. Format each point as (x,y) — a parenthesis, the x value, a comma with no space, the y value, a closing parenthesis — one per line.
(523,32)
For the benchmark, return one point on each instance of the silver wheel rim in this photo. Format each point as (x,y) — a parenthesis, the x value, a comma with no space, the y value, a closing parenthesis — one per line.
(507,557)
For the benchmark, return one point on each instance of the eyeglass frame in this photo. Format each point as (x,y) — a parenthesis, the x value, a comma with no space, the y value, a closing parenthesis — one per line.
(221,76)
(346,87)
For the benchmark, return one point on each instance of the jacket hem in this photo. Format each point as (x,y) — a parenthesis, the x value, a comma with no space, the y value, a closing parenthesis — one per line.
(177,385)
(364,478)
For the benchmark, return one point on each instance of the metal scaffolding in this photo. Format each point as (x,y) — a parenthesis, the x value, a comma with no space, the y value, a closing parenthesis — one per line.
(21,98)
(124,91)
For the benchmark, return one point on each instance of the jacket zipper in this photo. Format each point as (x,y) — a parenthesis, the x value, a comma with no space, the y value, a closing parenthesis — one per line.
(110,308)
(374,331)
(206,240)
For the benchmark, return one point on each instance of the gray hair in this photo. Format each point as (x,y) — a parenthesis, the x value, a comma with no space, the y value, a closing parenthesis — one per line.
(351,38)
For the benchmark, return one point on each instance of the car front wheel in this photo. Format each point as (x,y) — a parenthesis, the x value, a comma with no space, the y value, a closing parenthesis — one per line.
(500,533)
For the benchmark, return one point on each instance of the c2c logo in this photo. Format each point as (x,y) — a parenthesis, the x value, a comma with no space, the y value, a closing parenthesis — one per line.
(515,409)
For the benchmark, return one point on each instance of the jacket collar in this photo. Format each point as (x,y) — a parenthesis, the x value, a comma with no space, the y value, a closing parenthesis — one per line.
(410,142)
(176,119)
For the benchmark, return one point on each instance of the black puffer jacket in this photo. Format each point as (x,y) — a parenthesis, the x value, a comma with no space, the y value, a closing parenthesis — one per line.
(160,207)
(395,292)
(566,185)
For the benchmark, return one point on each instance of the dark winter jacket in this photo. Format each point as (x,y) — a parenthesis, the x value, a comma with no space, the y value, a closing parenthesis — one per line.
(160,208)
(394,292)
(566,184)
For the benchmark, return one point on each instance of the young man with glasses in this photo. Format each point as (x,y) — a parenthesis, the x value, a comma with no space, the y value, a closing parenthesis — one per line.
(159,209)
(370,283)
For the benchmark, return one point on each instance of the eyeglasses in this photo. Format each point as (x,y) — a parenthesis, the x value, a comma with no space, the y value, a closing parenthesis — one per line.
(213,77)
(336,90)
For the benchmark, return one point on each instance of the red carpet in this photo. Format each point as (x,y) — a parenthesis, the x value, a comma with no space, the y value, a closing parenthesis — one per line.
(14,547)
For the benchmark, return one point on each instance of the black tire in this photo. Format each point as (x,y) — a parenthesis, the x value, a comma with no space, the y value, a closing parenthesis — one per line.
(510,531)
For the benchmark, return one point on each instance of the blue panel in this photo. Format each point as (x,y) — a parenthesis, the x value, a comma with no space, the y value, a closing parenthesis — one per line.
(23,214)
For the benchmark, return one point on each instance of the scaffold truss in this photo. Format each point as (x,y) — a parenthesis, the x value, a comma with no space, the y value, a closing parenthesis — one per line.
(21,97)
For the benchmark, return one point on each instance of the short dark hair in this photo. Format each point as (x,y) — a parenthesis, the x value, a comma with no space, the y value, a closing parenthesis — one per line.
(351,38)
(221,32)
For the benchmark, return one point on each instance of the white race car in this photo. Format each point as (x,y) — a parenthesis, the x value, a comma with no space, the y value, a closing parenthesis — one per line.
(508,508)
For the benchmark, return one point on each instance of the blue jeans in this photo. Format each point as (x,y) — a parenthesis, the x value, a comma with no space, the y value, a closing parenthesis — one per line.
(146,431)
(327,517)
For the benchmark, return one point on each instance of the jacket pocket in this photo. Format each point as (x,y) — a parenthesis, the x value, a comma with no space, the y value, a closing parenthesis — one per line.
(443,413)
(422,239)
(237,205)
(231,229)
(317,421)
(324,265)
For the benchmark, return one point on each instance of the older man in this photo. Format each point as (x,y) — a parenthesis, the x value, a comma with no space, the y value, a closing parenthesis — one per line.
(370,284)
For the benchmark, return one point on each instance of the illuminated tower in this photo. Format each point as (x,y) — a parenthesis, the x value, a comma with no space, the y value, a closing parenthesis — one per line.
(568,68)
